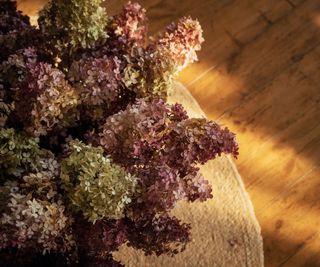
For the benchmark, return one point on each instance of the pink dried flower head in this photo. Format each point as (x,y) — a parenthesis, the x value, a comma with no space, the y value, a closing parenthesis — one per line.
(181,41)
(130,25)
(151,71)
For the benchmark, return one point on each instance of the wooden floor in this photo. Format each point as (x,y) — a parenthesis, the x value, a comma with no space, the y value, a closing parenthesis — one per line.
(259,74)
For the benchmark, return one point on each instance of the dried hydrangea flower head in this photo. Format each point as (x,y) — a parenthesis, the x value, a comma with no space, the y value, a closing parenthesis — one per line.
(52,100)
(162,146)
(73,23)
(151,71)
(32,223)
(96,242)
(50,97)
(33,214)
(158,235)
(95,186)
(18,154)
(15,30)
(13,73)
(129,28)
(181,41)
(97,81)
(14,70)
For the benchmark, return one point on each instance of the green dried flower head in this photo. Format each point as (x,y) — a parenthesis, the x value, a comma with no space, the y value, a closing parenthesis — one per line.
(17,153)
(74,23)
(95,186)
(20,154)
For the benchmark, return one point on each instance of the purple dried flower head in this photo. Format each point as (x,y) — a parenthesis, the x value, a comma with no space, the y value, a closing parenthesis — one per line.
(13,76)
(144,123)
(51,100)
(14,70)
(159,144)
(97,80)
(196,187)
(15,30)
(96,242)
(158,235)
(178,112)
(129,27)
(100,238)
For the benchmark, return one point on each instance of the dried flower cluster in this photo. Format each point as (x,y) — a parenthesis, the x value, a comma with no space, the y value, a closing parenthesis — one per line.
(15,30)
(18,154)
(33,215)
(95,186)
(91,155)
(72,23)
(51,100)
(159,144)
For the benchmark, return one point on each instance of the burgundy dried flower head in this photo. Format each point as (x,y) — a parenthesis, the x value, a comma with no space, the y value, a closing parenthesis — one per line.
(160,145)
(96,241)
(13,73)
(129,27)
(14,70)
(100,238)
(158,235)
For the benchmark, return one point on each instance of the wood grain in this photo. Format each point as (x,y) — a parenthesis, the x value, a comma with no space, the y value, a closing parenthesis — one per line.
(259,73)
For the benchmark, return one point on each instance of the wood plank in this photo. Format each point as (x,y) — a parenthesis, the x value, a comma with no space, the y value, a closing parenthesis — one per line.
(308,255)
(295,3)
(262,60)
(293,108)
(285,230)
(273,11)
(284,138)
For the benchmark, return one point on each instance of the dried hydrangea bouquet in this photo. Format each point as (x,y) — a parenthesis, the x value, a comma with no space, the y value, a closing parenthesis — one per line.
(92,157)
